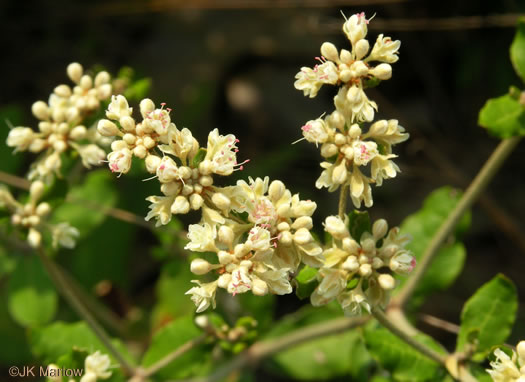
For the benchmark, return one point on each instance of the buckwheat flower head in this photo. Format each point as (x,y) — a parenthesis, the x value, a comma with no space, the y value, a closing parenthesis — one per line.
(508,369)
(96,366)
(365,261)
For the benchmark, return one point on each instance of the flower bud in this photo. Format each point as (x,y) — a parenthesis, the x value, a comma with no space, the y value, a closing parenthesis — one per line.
(63,91)
(20,137)
(336,227)
(221,201)
(170,189)
(119,145)
(86,82)
(386,281)
(120,161)
(202,321)
(74,71)
(127,123)
(60,146)
(259,287)
(34,238)
(167,170)
(101,78)
(329,51)
(146,107)
(36,190)
(378,128)
(37,145)
(40,110)
(152,163)
(140,151)
(129,139)
(346,56)
(224,280)
(286,238)
(354,95)
(340,173)
(149,143)
(107,128)
(226,235)
(365,270)
(382,71)
(339,139)
(379,229)
(402,262)
(521,352)
(187,189)
(54,373)
(361,48)
(359,69)
(368,245)
(355,131)
(276,190)
(196,201)
(351,264)
(43,209)
(377,263)
(301,222)
(78,132)
(329,150)
(200,267)
(350,245)
(337,120)
(180,205)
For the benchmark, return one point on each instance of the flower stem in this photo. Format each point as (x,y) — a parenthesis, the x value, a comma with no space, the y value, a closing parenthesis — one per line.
(382,318)
(342,201)
(263,349)
(472,193)
(68,293)
(163,362)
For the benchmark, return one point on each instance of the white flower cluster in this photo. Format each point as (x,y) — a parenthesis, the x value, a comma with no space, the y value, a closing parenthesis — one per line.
(507,369)
(183,168)
(96,366)
(60,126)
(343,145)
(32,216)
(357,274)
(258,253)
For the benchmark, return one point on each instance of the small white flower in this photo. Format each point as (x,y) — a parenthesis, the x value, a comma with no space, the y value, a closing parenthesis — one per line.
(204,295)
(385,50)
(64,235)
(221,153)
(92,155)
(118,108)
(120,161)
(20,138)
(202,238)
(98,364)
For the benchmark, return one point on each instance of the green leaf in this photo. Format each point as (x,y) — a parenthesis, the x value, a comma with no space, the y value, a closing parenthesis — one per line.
(503,117)
(306,282)
(58,339)
(7,263)
(488,316)
(359,223)
(87,203)
(18,352)
(422,226)
(324,358)
(199,157)
(517,50)
(400,359)
(168,339)
(32,299)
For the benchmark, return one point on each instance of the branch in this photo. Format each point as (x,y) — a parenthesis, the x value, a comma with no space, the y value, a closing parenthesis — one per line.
(396,330)
(263,349)
(472,193)
(342,201)
(68,293)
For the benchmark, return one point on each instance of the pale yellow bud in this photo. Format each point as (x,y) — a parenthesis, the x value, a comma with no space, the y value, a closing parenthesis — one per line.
(359,69)
(382,71)
(104,91)
(283,226)
(329,150)
(221,201)
(101,78)
(43,209)
(377,263)
(206,181)
(329,51)
(140,151)
(276,190)
(152,163)
(361,48)
(205,167)
(225,257)
(187,189)
(226,235)
(36,190)
(354,95)
(60,146)
(302,236)
(379,229)
(40,110)
(127,123)
(350,245)
(196,201)
(286,238)
(202,321)
(301,222)
(386,281)
(365,270)
(149,143)
(378,128)
(351,264)
(37,145)
(78,132)
(119,145)
(339,139)
(368,245)
(129,138)
(146,107)
(520,348)
(34,238)
(75,71)
(45,127)
(336,227)
(63,91)
(224,280)
(346,56)
(337,120)
(33,220)
(107,128)
(340,173)
(259,287)
(200,266)
(180,205)
(86,82)
(355,131)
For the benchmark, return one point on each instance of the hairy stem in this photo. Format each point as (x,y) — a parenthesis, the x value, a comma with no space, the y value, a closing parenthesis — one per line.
(472,193)
(263,349)
(163,362)
(68,293)
(396,330)
(342,201)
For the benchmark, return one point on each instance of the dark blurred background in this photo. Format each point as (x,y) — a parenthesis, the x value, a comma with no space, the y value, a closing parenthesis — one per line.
(231,65)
